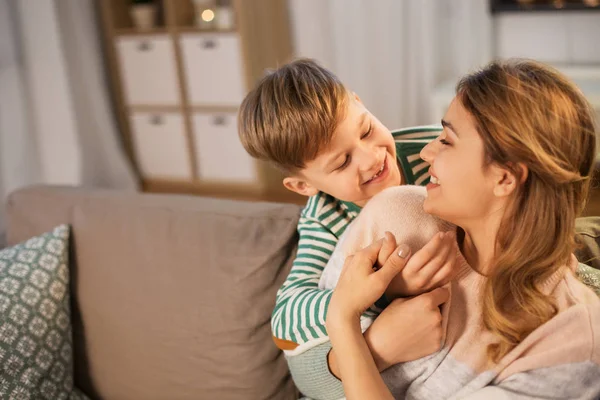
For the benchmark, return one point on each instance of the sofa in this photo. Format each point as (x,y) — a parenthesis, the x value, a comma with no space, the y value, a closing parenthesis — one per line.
(171,295)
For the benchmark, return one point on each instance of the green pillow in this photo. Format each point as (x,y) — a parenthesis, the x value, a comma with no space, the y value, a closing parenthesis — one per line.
(590,276)
(36,350)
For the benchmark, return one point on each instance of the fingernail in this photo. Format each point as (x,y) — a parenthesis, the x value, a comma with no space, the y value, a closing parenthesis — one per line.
(403,251)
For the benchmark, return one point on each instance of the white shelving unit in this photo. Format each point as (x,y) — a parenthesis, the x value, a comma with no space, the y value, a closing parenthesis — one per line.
(177,89)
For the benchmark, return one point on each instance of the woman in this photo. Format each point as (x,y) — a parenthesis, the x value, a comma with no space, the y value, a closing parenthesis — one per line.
(512,171)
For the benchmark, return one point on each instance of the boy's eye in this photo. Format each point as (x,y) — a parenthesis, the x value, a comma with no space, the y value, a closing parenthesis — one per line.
(368,132)
(445,142)
(346,161)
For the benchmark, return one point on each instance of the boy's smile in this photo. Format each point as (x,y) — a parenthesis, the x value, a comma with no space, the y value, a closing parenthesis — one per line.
(359,162)
(381,175)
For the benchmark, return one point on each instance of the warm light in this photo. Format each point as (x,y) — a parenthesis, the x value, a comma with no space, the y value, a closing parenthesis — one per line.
(559,3)
(208,15)
(592,3)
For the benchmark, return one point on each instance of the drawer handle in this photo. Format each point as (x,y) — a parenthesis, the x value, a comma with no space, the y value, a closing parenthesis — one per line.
(220,120)
(156,120)
(209,44)
(144,46)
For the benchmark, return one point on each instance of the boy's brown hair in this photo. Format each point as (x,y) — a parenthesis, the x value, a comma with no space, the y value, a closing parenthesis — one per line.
(290,116)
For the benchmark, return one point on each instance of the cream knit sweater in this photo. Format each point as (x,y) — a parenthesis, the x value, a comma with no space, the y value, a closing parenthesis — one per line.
(559,360)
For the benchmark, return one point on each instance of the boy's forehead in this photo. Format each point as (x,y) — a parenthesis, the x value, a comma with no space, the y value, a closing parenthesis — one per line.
(349,127)
(351,122)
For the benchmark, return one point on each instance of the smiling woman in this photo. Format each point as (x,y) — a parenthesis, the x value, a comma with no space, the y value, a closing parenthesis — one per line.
(512,170)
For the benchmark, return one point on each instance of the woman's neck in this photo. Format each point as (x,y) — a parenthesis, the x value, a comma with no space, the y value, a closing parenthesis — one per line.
(478,245)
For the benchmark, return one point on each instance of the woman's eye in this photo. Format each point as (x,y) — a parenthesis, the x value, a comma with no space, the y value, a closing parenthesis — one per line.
(346,161)
(368,132)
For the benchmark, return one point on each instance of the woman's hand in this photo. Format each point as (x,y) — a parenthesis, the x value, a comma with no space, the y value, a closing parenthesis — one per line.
(407,329)
(431,267)
(360,284)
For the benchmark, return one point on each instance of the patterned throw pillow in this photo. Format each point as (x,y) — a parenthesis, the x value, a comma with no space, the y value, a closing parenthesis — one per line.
(36,352)
(590,276)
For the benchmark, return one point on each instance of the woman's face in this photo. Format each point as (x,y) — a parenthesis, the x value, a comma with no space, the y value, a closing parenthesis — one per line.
(462,188)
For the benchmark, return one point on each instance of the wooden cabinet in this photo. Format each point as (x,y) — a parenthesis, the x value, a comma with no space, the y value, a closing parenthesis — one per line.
(177,87)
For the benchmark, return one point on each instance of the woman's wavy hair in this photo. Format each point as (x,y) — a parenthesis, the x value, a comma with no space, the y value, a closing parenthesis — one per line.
(530,114)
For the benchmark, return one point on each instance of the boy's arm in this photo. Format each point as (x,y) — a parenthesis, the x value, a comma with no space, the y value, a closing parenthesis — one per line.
(312,374)
(300,306)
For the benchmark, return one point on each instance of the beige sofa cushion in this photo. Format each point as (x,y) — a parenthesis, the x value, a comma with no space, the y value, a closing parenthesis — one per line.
(173,293)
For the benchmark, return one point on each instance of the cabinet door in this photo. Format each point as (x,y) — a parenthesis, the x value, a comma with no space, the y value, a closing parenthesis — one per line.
(220,155)
(160,145)
(213,68)
(148,70)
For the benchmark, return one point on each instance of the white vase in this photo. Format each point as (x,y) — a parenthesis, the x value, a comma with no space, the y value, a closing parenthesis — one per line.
(224,18)
(143,16)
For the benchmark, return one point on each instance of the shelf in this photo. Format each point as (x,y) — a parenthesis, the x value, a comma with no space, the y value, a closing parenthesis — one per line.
(154,108)
(213,109)
(146,66)
(502,6)
(139,32)
(195,29)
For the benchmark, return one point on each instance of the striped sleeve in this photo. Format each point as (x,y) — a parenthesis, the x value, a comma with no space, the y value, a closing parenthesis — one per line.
(414,133)
(409,143)
(300,307)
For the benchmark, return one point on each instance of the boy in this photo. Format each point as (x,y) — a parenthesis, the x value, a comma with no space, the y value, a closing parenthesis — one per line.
(303,120)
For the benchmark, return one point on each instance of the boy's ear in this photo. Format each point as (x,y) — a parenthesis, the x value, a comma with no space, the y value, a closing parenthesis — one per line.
(299,186)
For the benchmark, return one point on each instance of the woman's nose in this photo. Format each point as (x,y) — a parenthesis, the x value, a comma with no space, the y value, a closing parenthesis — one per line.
(428,152)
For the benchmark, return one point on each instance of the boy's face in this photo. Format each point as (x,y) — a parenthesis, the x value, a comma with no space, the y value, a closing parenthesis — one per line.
(359,162)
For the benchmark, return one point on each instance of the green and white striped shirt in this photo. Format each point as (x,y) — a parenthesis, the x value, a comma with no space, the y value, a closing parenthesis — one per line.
(300,308)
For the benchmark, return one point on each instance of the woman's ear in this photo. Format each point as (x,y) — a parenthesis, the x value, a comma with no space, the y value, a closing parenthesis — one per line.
(506,180)
(300,186)
(524,172)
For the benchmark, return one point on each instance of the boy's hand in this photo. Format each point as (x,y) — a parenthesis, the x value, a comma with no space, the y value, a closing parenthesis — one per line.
(407,329)
(429,268)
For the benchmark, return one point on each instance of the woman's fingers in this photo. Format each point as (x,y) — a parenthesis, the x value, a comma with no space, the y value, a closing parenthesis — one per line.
(395,263)
(388,247)
(435,298)
(447,272)
(367,257)
(359,285)
(422,257)
(445,255)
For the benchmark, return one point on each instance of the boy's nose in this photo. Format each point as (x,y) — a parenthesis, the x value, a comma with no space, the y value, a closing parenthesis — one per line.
(368,159)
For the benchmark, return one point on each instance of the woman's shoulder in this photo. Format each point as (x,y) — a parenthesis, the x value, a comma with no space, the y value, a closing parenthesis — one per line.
(575,290)
(578,315)
(571,338)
